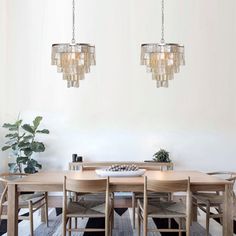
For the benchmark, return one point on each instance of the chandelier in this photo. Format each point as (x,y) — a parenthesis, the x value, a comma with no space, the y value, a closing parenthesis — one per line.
(162,59)
(73,59)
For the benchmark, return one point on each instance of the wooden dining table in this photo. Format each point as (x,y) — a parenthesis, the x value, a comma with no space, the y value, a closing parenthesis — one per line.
(53,182)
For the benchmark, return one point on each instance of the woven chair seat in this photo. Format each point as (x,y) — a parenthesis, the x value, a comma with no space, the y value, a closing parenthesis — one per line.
(211,198)
(164,209)
(86,208)
(25,198)
(152,195)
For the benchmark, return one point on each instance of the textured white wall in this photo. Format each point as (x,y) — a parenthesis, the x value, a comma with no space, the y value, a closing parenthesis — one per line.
(117,113)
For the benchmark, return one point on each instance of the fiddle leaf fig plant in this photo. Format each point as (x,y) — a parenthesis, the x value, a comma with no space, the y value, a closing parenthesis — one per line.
(22,143)
(162,156)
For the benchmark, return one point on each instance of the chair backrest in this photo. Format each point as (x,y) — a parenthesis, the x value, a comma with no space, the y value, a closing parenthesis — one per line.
(227,175)
(4,178)
(85,185)
(170,186)
(166,185)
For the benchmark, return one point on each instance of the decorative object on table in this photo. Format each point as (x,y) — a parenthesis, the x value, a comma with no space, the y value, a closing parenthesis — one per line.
(22,143)
(162,59)
(120,171)
(161,156)
(79,159)
(73,59)
(74,157)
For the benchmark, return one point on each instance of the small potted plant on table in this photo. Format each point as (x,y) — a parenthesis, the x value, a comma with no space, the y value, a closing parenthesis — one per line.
(162,156)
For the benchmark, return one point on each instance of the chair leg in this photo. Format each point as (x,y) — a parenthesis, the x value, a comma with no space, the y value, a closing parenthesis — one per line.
(76,222)
(112,212)
(145,225)
(46,208)
(169,223)
(64,226)
(180,226)
(207,218)
(31,218)
(110,227)
(220,212)
(139,221)
(133,209)
(70,226)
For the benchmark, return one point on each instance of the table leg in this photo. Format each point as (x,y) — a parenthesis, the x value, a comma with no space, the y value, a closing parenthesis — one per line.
(12,210)
(228,211)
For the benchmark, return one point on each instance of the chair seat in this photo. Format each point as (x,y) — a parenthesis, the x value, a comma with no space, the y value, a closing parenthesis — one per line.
(86,208)
(211,198)
(164,209)
(152,195)
(25,198)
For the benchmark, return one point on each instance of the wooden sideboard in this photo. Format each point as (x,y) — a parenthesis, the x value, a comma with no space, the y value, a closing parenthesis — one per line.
(144,165)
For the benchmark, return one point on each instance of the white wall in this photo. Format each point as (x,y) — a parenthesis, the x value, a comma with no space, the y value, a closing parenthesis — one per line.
(3,57)
(118,113)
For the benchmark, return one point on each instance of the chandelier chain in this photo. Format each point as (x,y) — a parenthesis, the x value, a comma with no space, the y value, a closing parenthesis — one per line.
(73,22)
(162,21)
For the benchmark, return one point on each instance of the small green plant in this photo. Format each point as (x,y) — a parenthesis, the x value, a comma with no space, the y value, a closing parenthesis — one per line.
(22,143)
(162,156)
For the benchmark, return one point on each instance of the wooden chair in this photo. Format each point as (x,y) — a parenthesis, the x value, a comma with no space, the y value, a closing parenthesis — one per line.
(165,209)
(32,201)
(136,196)
(84,207)
(208,200)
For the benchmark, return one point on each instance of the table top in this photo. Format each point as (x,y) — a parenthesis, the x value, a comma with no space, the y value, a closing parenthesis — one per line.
(56,177)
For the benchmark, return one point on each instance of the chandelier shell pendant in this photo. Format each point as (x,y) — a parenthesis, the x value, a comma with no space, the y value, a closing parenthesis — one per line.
(73,60)
(163,60)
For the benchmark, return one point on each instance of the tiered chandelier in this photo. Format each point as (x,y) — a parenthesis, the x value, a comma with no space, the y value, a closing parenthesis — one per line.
(73,59)
(162,59)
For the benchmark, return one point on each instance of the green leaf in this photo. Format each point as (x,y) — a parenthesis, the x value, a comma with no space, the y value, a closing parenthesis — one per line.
(15,147)
(37,147)
(11,127)
(8,125)
(37,121)
(11,142)
(30,170)
(5,148)
(22,160)
(18,123)
(11,135)
(23,144)
(43,131)
(28,128)
(27,138)
(13,167)
(39,166)
(28,152)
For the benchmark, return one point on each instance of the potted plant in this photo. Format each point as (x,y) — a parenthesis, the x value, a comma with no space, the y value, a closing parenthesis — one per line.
(22,143)
(161,156)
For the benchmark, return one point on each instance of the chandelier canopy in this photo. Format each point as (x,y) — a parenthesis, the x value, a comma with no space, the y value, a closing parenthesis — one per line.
(162,59)
(73,59)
